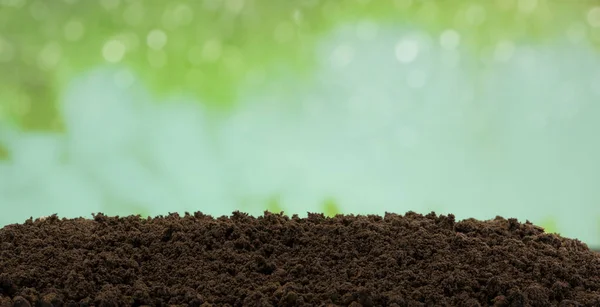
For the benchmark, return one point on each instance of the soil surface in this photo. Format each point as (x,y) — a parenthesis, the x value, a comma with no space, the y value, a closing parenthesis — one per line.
(276,260)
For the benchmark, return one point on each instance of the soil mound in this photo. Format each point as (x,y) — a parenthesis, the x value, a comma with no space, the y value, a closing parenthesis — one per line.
(276,260)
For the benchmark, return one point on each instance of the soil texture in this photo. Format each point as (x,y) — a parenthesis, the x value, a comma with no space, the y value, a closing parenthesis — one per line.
(276,260)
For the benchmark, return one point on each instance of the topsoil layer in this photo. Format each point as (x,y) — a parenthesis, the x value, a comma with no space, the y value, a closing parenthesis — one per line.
(274,260)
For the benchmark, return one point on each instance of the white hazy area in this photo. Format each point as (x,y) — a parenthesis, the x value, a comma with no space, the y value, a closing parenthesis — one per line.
(393,120)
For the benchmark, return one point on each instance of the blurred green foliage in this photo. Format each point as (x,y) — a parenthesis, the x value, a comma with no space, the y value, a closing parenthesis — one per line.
(274,205)
(331,208)
(550,225)
(209,48)
(4,154)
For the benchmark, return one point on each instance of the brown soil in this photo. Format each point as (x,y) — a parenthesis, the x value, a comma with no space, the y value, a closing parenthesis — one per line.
(274,260)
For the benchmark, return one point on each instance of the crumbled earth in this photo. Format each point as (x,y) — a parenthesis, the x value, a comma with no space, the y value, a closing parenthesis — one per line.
(276,260)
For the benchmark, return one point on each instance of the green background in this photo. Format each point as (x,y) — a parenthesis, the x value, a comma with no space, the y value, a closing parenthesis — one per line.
(478,108)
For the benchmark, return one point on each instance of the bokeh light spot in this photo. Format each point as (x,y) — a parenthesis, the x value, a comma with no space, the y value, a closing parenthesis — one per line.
(212,50)
(156,39)
(475,15)
(113,51)
(367,30)
(449,39)
(407,50)
(49,56)
(527,6)
(593,17)
(180,15)
(297,16)
(504,51)
(342,56)
(73,30)
(184,14)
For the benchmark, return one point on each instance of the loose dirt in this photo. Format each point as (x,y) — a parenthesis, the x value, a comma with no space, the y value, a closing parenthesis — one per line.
(276,260)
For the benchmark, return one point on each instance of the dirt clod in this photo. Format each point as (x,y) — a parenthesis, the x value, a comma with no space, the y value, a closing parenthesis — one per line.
(276,260)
